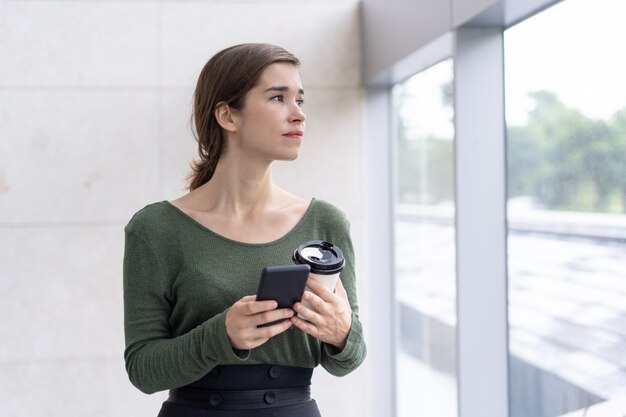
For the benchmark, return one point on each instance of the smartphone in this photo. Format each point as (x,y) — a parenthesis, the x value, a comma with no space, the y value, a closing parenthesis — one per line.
(284,284)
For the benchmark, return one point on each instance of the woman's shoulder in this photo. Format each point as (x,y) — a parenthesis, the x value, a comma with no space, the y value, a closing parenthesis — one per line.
(332,224)
(150,217)
(328,207)
(330,213)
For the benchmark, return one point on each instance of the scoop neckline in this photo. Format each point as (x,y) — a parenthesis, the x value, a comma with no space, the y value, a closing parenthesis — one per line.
(237,242)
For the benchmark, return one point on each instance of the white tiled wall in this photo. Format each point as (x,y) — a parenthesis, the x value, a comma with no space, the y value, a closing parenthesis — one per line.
(95,98)
(324,36)
(72,155)
(73,43)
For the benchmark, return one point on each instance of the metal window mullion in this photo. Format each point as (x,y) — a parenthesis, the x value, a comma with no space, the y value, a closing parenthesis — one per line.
(482,328)
(379,251)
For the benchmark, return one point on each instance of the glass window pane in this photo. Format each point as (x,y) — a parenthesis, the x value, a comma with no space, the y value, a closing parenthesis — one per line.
(425,244)
(566,127)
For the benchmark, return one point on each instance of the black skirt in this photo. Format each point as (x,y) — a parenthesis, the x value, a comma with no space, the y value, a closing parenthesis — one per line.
(245,391)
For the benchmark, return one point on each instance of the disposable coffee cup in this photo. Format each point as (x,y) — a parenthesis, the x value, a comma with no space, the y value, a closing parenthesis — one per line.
(326,261)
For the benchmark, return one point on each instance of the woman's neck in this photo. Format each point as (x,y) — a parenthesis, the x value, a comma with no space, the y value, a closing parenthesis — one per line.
(240,187)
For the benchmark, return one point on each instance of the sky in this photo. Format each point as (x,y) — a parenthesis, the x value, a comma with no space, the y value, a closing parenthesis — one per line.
(424,113)
(576,49)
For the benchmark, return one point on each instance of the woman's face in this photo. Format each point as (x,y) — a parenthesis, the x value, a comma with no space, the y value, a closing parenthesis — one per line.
(271,123)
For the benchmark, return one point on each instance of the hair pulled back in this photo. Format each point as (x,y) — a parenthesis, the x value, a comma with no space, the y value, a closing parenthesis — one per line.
(227,77)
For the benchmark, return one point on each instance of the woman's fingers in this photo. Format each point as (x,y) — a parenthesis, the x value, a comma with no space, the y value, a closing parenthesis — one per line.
(248,298)
(307,313)
(251,307)
(273,315)
(320,290)
(243,317)
(329,318)
(263,334)
(317,304)
(306,326)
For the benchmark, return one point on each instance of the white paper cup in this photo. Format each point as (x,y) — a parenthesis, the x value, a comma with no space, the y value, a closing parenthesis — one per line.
(326,261)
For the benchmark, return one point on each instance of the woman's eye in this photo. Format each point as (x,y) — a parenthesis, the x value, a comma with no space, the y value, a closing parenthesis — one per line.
(281,98)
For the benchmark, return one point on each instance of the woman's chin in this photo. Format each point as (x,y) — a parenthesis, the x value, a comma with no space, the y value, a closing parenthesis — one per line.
(291,156)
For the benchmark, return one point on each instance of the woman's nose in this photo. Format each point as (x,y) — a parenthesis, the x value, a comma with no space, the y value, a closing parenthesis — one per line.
(297,114)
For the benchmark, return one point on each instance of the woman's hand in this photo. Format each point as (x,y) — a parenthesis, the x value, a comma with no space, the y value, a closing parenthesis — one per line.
(243,317)
(332,318)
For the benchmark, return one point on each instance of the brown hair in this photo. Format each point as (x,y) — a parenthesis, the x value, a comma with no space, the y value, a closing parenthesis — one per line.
(227,77)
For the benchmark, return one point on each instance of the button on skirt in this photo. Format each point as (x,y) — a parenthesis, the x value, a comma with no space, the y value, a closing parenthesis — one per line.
(306,409)
(245,391)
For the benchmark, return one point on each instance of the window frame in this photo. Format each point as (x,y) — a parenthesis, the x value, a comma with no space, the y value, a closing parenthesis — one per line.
(476,49)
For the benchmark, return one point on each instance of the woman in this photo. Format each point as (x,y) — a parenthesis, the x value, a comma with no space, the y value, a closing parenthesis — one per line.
(192,265)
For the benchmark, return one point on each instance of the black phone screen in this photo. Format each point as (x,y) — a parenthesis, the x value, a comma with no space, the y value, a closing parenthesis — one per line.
(284,284)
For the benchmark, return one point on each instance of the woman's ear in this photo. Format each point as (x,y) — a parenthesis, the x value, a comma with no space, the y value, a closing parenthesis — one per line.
(225,117)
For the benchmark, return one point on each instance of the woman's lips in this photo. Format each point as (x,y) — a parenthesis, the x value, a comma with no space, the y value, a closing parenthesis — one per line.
(295,134)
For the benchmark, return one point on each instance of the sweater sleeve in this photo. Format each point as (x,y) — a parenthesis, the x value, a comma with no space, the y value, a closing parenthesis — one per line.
(155,360)
(342,362)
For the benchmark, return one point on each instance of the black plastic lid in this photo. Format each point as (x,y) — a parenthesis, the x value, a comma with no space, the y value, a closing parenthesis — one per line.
(323,257)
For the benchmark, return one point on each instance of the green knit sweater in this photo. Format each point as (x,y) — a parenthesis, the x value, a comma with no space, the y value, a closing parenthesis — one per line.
(180,278)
